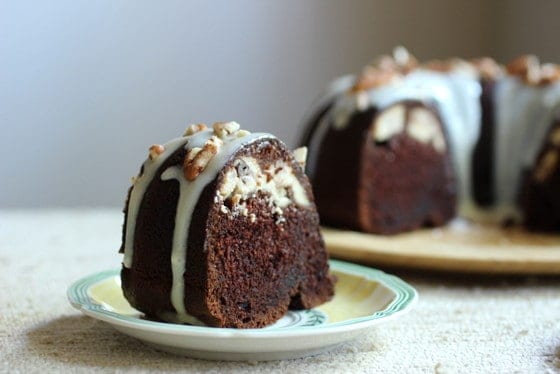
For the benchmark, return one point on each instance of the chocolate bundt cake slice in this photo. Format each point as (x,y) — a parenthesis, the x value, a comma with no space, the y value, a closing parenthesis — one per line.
(221,229)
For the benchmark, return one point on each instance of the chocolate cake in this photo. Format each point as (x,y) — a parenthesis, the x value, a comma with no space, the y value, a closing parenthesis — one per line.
(221,229)
(539,199)
(373,159)
(481,134)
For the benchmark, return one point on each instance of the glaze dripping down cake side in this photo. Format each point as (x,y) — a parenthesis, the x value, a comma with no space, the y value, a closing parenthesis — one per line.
(221,229)
(488,124)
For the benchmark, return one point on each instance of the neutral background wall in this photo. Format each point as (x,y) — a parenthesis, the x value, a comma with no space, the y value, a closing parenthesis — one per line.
(87,86)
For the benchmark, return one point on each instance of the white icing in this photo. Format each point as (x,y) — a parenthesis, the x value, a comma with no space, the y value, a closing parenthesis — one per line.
(523,114)
(189,194)
(141,182)
(337,87)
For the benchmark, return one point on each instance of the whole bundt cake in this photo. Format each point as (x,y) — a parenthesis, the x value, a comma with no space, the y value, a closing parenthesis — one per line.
(221,229)
(406,145)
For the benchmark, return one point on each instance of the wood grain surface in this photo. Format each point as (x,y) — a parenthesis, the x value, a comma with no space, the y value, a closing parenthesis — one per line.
(461,246)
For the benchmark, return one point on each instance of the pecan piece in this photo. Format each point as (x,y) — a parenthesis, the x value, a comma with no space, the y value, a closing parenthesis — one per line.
(155,151)
(193,129)
(196,159)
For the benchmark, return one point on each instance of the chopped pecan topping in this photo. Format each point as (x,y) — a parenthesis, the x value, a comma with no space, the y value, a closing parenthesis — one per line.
(527,67)
(223,129)
(155,151)
(193,129)
(196,159)
(487,67)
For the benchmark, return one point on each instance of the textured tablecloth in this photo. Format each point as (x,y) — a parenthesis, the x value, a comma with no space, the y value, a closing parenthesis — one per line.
(461,323)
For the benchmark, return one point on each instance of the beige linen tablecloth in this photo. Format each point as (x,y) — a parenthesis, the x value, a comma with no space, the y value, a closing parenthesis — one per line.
(461,323)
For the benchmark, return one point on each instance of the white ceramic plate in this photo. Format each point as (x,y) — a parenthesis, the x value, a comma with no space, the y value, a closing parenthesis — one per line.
(364,297)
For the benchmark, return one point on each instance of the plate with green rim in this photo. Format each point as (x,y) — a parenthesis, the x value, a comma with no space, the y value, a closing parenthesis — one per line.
(364,297)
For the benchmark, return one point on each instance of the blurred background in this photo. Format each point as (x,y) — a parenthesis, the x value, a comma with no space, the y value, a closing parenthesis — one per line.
(87,86)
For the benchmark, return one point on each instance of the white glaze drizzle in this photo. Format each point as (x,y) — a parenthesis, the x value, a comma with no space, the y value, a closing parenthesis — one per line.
(333,90)
(523,114)
(141,182)
(189,194)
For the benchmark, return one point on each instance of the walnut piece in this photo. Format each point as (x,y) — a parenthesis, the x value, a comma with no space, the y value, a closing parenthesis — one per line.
(223,129)
(373,77)
(549,73)
(487,67)
(401,61)
(193,129)
(527,67)
(196,159)
(156,150)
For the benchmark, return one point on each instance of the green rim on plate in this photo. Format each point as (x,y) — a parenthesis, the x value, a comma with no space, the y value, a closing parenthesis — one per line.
(404,297)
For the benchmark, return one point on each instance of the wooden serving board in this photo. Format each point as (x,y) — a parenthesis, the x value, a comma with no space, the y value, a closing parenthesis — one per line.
(461,246)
